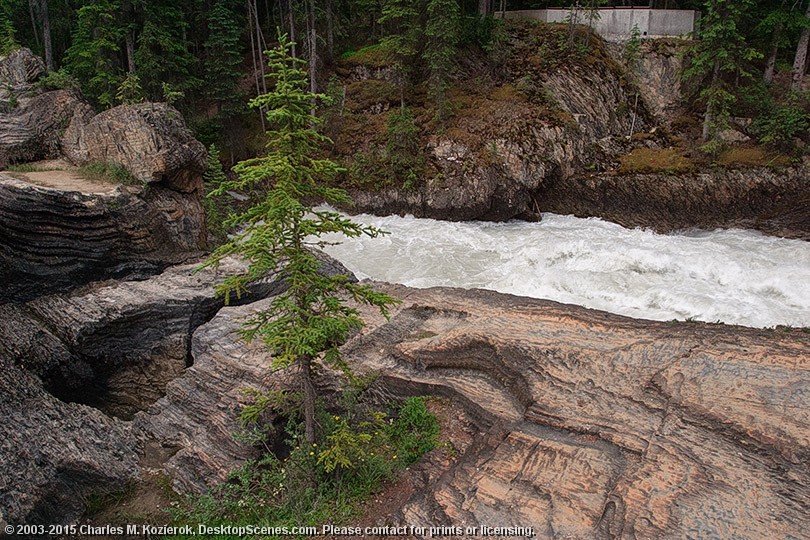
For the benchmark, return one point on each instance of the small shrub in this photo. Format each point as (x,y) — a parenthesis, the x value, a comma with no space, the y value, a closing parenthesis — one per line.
(59,80)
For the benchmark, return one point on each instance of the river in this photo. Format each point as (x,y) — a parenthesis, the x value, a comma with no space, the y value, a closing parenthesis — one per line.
(731,276)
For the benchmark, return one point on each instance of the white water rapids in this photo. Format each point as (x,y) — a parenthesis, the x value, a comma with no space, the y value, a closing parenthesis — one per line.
(733,276)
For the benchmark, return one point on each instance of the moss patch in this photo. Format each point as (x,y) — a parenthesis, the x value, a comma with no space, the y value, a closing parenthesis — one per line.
(655,160)
(756,156)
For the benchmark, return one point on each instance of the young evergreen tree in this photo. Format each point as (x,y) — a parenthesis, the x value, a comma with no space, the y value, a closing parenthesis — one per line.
(163,54)
(7,40)
(306,323)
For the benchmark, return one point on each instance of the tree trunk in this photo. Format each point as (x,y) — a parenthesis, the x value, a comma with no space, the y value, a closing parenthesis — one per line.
(33,21)
(708,118)
(291,22)
(313,48)
(46,34)
(801,55)
(484,7)
(129,40)
(330,31)
(770,64)
(309,399)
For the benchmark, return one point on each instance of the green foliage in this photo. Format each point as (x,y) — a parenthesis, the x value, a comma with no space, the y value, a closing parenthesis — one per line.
(403,37)
(779,123)
(310,319)
(318,483)
(721,50)
(58,80)
(163,52)
(8,41)
(108,172)
(216,209)
(130,91)
(442,34)
(632,48)
(170,95)
(223,57)
(91,57)
(404,157)
(415,431)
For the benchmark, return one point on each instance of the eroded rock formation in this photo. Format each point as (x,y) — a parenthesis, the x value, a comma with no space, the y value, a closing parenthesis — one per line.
(56,239)
(774,201)
(150,140)
(591,425)
(31,121)
(55,454)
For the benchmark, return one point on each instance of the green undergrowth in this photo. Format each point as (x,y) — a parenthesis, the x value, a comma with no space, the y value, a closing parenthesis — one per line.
(108,172)
(30,167)
(321,483)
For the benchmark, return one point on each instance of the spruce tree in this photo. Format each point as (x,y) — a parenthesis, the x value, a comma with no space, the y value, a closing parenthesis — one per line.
(163,54)
(223,57)
(442,33)
(306,323)
(401,18)
(92,58)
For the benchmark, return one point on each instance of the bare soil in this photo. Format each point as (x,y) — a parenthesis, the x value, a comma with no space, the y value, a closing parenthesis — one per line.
(61,175)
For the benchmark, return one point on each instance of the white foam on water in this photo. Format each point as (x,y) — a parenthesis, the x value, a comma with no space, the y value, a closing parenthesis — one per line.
(733,276)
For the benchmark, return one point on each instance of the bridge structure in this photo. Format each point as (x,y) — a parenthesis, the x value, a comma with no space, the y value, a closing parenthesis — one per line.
(616,24)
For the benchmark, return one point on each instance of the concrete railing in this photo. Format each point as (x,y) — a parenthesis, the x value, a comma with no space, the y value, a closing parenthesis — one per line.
(615,24)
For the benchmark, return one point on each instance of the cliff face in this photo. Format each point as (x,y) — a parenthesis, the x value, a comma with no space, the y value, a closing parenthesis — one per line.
(546,133)
(57,234)
(509,134)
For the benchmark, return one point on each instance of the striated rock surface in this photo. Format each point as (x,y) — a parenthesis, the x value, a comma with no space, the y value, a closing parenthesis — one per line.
(116,345)
(150,140)
(190,431)
(591,425)
(774,201)
(54,454)
(31,121)
(53,239)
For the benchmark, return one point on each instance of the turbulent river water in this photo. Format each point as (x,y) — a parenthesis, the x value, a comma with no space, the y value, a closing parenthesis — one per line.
(732,276)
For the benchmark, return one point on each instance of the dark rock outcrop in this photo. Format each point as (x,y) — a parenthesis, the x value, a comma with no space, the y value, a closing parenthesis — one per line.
(114,346)
(591,425)
(53,240)
(511,136)
(31,121)
(774,201)
(150,140)
(55,454)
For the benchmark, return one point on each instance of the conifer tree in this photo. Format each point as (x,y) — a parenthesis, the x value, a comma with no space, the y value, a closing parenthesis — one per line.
(401,17)
(223,57)
(442,32)
(306,323)
(162,54)
(92,58)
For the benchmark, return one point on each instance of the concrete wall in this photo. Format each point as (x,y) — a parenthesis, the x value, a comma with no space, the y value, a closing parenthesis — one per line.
(615,24)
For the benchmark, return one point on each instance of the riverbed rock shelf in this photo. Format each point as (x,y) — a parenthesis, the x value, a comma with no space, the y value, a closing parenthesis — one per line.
(591,425)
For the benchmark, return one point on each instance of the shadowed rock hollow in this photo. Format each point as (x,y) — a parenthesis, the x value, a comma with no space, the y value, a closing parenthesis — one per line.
(592,425)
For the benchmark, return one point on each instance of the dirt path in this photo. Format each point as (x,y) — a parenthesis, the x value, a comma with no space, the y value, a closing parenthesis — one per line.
(59,174)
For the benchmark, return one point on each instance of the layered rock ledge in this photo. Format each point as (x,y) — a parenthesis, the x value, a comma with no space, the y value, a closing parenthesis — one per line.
(591,425)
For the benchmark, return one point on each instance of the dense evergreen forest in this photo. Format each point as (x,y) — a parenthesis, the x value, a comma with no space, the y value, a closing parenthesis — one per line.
(205,56)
